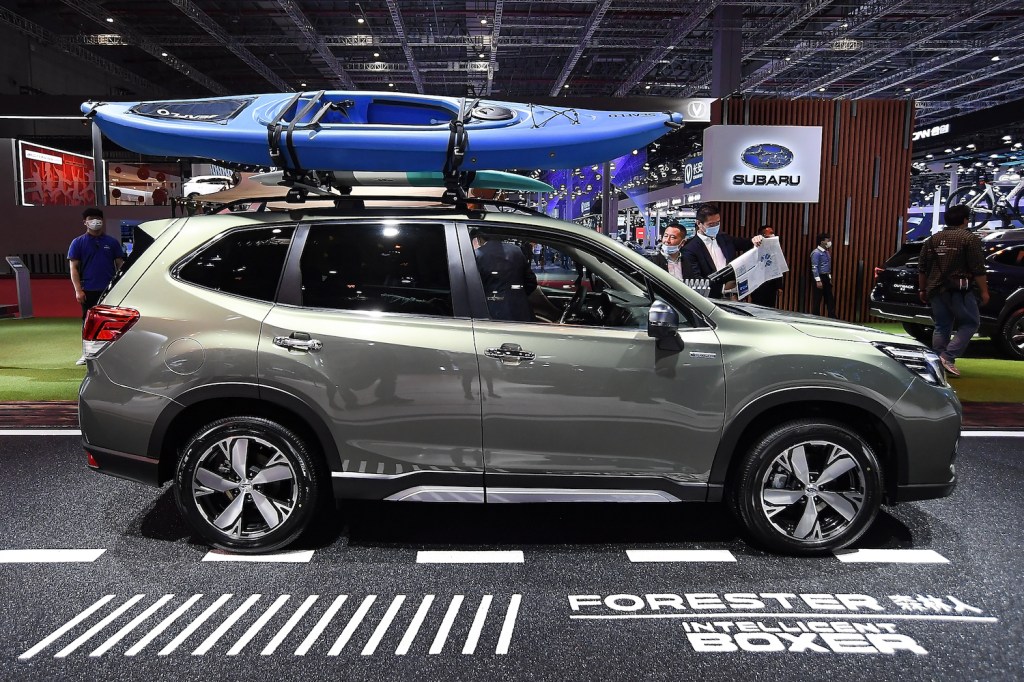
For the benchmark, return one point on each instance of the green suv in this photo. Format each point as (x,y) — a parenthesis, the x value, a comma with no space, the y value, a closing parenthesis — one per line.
(270,363)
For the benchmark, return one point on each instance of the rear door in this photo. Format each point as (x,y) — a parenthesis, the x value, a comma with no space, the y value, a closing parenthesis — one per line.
(370,335)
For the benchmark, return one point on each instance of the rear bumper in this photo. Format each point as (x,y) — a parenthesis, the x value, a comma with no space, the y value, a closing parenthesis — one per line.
(123,465)
(903,312)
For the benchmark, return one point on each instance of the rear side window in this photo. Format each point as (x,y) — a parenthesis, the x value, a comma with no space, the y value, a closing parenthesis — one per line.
(244,262)
(382,267)
(1013,256)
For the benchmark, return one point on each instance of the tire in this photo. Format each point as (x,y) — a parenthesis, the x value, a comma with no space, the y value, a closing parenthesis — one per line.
(247,484)
(769,492)
(982,209)
(1011,335)
(921,332)
(193,196)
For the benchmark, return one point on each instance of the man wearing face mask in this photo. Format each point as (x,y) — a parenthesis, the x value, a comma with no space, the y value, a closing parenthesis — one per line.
(669,256)
(95,257)
(821,268)
(710,250)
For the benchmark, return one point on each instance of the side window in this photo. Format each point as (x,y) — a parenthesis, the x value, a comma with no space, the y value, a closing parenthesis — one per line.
(245,262)
(383,267)
(1013,255)
(531,278)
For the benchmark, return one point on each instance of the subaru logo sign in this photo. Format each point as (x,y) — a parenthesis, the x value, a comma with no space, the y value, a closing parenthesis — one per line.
(767,156)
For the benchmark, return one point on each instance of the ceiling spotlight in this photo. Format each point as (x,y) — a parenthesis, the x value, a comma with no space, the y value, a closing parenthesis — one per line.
(928,156)
(993,156)
(844,25)
(163,54)
(565,87)
(110,20)
(647,87)
(948,151)
(906,89)
(376,54)
(789,59)
(995,58)
(821,89)
(970,146)
(1006,138)
(483,21)
(391,85)
(302,85)
(482,55)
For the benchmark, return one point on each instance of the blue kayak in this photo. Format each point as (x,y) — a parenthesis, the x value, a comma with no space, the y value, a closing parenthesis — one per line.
(376,131)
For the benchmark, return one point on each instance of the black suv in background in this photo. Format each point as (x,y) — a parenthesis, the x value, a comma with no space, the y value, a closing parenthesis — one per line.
(894,296)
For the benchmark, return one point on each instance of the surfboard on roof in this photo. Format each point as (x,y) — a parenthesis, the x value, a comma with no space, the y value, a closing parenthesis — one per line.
(376,131)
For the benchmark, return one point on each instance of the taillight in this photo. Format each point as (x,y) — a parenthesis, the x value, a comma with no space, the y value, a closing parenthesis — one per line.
(107,323)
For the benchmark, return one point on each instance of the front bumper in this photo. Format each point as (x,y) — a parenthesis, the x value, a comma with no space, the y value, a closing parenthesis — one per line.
(928,418)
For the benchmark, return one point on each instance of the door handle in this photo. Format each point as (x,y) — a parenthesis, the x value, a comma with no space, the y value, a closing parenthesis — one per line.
(299,341)
(510,354)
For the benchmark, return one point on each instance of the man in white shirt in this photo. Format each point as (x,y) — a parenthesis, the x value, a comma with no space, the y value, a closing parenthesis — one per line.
(670,256)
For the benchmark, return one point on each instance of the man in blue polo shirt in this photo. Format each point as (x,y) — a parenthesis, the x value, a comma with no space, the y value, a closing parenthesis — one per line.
(95,257)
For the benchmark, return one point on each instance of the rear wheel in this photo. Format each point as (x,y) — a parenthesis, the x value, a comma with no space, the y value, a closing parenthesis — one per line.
(247,484)
(1011,335)
(921,332)
(807,487)
(977,200)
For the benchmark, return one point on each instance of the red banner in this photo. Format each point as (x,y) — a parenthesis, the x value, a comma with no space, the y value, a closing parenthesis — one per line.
(52,177)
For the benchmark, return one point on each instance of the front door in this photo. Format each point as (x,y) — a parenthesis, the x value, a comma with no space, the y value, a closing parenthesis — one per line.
(583,389)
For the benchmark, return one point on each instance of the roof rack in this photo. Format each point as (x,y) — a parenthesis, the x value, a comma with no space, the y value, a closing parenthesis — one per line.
(348,202)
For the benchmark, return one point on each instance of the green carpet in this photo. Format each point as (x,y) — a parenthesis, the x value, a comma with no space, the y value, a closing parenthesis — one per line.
(37,359)
(37,362)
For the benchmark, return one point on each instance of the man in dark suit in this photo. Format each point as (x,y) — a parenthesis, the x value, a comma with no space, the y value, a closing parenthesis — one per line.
(507,278)
(710,250)
(670,254)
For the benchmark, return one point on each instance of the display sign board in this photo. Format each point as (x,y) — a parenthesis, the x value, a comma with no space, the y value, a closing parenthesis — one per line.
(693,171)
(53,177)
(762,163)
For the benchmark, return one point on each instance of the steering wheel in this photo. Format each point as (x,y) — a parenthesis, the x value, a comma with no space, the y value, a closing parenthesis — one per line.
(575,304)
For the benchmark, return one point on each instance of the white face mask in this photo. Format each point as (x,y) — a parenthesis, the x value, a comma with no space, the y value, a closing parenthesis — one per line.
(94,223)
(828,245)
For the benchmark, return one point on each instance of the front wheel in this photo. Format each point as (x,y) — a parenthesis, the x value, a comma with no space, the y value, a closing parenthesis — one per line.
(977,200)
(807,487)
(1011,335)
(247,484)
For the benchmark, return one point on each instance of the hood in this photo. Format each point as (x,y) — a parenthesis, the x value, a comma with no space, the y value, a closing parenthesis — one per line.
(813,325)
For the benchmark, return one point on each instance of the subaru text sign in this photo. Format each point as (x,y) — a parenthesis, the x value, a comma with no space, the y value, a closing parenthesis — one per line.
(762,163)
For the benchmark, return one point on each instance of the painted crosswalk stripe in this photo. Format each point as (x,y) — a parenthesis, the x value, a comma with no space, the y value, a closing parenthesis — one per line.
(321,625)
(49,556)
(290,625)
(639,556)
(64,629)
(255,628)
(126,630)
(505,638)
(414,626)
(446,624)
(303,557)
(194,625)
(491,557)
(91,632)
(382,627)
(890,556)
(40,432)
(347,633)
(478,625)
(164,624)
(226,625)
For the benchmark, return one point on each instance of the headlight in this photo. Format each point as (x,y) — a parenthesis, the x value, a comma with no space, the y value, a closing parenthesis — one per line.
(921,361)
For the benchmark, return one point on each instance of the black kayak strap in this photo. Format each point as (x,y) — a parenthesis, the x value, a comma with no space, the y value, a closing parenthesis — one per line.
(274,132)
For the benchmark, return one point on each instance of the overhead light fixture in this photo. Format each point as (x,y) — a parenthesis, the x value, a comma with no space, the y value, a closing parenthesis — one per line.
(565,87)
(821,89)
(360,20)
(647,87)
(1006,138)
(928,156)
(110,20)
(482,55)
(302,85)
(376,54)
(970,146)
(995,58)
(906,89)
(948,151)
(391,85)
(483,21)
(789,59)
(844,25)
(163,54)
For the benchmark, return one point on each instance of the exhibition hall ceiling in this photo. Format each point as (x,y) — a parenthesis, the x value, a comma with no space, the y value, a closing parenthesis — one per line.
(951,57)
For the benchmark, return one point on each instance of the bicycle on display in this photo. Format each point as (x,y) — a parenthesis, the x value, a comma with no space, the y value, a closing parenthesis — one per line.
(986,201)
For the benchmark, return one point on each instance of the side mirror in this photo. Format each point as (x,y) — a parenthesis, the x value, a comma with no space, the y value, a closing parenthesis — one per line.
(662,324)
(662,320)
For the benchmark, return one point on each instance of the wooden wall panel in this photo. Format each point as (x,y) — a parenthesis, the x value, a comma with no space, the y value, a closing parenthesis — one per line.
(854,135)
